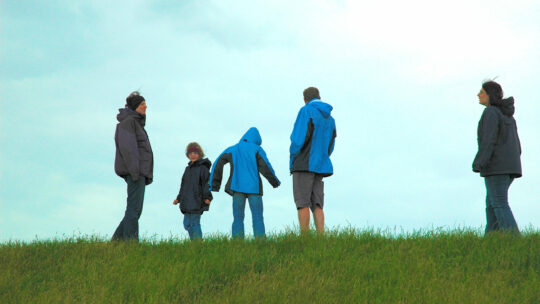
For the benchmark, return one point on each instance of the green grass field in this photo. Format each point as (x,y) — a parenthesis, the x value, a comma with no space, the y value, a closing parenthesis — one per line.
(346,266)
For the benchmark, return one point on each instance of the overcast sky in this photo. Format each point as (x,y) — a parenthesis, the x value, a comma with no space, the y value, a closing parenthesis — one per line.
(402,77)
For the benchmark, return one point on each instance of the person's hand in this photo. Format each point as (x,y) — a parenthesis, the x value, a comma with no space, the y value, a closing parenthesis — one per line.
(175,202)
(207,201)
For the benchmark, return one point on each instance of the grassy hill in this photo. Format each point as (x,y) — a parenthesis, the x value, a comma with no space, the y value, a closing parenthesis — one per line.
(347,266)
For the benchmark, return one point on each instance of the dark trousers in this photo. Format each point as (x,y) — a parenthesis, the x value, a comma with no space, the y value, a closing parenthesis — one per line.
(498,213)
(128,229)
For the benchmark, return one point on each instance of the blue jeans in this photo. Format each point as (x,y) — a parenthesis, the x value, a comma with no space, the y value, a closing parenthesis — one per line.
(256,206)
(498,213)
(192,223)
(128,229)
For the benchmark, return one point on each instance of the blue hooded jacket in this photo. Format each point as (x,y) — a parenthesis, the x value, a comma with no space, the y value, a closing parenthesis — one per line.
(312,139)
(247,158)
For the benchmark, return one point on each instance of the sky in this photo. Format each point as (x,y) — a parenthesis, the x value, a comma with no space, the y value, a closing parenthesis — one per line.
(402,77)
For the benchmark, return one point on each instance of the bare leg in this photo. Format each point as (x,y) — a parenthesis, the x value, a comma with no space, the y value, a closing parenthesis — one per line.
(318,216)
(303,219)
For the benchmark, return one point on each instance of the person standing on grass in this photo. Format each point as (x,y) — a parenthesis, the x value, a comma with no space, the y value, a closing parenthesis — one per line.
(134,162)
(498,158)
(194,195)
(312,143)
(247,159)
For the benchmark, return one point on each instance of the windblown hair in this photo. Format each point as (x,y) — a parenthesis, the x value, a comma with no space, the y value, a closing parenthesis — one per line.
(134,100)
(196,146)
(494,91)
(134,94)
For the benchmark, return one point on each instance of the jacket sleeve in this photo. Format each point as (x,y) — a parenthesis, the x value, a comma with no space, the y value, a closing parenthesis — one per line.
(217,170)
(517,136)
(205,175)
(266,169)
(181,186)
(487,139)
(332,142)
(127,145)
(298,135)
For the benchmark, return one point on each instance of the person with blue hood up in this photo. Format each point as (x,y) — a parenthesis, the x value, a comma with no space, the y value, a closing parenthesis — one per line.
(312,143)
(247,159)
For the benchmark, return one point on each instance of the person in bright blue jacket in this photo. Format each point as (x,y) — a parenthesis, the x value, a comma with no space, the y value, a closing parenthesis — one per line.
(312,143)
(247,159)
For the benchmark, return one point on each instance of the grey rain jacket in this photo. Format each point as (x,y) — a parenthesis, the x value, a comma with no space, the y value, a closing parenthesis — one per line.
(133,152)
(499,148)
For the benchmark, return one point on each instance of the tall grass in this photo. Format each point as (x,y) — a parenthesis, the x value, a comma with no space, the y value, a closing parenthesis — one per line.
(344,266)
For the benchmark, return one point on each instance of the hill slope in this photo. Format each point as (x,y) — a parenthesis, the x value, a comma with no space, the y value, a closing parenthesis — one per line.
(342,267)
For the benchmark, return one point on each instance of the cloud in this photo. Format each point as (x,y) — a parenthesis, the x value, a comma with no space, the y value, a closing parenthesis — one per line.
(402,77)
(434,40)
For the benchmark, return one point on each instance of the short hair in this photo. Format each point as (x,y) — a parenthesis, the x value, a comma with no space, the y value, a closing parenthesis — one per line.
(134,100)
(311,93)
(194,146)
(494,91)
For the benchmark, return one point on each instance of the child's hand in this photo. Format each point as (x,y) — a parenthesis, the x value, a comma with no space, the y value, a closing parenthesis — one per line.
(207,201)
(175,202)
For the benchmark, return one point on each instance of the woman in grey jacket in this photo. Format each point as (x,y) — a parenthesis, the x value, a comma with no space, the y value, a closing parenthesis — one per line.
(498,158)
(134,162)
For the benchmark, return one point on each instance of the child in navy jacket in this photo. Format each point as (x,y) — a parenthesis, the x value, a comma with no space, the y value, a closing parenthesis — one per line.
(194,195)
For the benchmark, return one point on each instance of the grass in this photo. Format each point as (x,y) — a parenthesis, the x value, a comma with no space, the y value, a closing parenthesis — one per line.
(344,266)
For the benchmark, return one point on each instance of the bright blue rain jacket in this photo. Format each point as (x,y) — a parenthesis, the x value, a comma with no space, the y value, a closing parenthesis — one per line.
(312,139)
(247,158)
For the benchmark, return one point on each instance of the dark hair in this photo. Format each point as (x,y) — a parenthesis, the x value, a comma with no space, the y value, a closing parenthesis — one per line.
(494,91)
(311,93)
(134,100)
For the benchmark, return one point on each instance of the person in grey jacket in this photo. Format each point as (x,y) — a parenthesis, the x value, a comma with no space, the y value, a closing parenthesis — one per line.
(134,162)
(498,158)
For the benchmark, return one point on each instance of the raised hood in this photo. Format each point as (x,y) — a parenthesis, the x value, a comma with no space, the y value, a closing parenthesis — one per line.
(252,136)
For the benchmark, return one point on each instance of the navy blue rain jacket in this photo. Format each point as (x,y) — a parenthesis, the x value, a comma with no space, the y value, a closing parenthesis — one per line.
(194,187)
(247,159)
(312,139)
(499,148)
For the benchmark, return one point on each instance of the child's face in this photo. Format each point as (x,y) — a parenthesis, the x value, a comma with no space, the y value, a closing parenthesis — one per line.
(193,156)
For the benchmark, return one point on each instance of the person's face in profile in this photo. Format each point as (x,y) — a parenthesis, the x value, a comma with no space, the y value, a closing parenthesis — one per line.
(483,98)
(142,108)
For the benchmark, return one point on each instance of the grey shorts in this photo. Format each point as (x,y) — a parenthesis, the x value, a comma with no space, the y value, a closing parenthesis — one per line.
(308,190)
